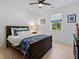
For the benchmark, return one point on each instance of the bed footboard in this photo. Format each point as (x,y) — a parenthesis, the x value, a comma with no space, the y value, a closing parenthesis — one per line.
(38,49)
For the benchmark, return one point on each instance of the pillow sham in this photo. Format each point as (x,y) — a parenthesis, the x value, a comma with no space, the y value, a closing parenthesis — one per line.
(15,30)
(23,33)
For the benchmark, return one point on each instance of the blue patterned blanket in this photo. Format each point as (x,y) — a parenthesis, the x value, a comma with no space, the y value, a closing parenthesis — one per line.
(25,43)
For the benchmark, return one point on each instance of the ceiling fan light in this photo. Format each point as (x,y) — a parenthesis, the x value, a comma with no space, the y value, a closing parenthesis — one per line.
(40,5)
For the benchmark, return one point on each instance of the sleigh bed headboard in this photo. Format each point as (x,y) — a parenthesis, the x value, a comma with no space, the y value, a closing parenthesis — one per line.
(8,29)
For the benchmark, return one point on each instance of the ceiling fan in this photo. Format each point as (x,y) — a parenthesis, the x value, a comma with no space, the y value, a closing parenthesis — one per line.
(41,3)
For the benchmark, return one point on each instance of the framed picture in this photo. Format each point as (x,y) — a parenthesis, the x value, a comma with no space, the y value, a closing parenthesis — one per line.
(71,18)
(42,21)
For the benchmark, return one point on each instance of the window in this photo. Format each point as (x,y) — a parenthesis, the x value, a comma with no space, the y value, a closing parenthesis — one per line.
(56,21)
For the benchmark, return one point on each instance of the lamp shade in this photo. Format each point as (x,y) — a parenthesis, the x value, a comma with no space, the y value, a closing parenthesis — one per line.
(33,27)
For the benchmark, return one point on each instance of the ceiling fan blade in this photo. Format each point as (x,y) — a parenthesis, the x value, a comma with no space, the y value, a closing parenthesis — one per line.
(47,4)
(33,3)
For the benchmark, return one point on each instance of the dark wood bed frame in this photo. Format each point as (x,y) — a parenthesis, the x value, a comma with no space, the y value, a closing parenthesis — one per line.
(37,49)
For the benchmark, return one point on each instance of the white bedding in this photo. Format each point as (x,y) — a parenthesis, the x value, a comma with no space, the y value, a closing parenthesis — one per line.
(15,40)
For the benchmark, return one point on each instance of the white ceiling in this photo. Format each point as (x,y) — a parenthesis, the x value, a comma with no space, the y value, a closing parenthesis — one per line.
(34,8)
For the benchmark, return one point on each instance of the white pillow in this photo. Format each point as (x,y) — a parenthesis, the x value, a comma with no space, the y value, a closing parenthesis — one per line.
(12,31)
(26,34)
(23,33)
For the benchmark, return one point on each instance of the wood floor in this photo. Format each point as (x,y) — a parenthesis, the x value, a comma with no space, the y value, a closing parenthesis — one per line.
(59,51)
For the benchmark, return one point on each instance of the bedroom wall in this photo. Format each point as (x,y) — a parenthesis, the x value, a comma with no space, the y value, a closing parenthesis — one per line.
(65,35)
(11,14)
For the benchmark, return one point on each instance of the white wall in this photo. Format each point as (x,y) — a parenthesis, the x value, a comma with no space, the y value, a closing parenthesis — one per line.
(65,35)
(12,15)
